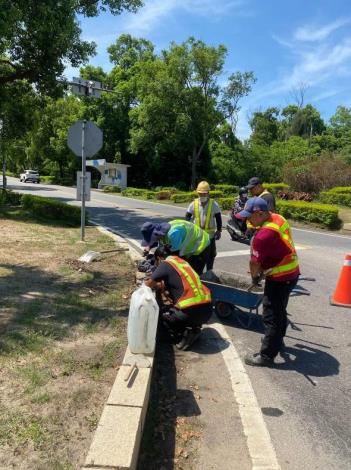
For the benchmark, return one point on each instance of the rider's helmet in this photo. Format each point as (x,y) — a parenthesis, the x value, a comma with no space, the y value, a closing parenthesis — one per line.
(243,191)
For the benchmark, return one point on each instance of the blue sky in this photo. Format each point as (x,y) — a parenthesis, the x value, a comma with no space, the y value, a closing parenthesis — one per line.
(284,42)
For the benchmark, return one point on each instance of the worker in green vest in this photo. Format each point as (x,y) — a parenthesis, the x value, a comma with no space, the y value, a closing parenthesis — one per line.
(205,213)
(183,238)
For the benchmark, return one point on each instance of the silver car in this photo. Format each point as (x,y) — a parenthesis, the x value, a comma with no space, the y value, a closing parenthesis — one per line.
(30,175)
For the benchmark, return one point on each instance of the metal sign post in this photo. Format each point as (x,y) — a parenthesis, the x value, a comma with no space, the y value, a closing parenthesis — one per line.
(85,140)
(82,215)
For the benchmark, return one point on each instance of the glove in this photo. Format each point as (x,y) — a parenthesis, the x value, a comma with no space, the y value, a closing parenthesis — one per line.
(218,235)
(146,252)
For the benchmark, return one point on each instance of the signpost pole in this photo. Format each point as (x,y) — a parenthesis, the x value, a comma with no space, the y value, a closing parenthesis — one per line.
(82,223)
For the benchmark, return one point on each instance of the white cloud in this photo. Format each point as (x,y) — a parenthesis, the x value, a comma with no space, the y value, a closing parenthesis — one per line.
(315,33)
(324,65)
(156,10)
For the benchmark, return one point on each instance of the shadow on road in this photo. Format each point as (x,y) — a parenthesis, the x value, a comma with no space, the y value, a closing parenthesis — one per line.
(31,188)
(308,361)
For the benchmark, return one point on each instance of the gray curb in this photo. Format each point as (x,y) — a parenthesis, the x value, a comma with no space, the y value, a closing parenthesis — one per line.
(116,441)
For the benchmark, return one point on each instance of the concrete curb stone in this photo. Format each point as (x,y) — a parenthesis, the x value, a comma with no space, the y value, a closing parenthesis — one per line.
(116,441)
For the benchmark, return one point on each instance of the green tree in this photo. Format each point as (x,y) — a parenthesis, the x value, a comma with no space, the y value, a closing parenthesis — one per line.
(265,126)
(40,37)
(182,102)
(303,122)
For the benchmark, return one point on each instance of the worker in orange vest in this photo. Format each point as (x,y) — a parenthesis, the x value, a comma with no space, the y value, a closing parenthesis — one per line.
(206,213)
(189,301)
(272,254)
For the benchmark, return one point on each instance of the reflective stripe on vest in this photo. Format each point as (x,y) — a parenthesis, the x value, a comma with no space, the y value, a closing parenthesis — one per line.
(195,293)
(290,262)
(208,215)
(196,239)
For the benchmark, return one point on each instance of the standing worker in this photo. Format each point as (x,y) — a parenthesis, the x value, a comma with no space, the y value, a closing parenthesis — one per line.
(205,212)
(190,301)
(273,255)
(183,238)
(256,189)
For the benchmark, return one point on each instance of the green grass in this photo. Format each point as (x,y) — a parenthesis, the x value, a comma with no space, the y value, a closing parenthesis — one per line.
(35,375)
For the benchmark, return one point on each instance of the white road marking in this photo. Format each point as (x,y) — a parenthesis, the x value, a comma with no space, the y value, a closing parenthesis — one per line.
(225,254)
(260,446)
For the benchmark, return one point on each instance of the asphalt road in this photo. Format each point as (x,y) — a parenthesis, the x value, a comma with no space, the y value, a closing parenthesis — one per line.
(306,398)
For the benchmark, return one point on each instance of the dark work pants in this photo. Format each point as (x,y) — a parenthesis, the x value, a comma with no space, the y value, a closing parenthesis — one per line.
(176,321)
(211,255)
(275,317)
(198,262)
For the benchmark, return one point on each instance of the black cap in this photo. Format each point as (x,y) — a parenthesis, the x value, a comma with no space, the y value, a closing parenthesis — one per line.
(253,182)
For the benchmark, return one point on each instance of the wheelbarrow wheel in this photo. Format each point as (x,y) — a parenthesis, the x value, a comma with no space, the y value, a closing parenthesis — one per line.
(223,309)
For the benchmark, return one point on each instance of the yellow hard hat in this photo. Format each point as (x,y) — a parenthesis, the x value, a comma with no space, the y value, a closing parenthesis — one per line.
(203,187)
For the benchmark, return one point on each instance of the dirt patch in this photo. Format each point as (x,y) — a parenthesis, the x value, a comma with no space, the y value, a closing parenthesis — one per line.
(62,337)
(173,429)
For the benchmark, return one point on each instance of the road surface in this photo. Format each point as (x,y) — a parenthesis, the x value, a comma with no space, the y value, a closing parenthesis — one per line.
(306,398)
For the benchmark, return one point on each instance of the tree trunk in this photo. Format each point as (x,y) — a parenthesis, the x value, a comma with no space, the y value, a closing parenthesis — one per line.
(194,160)
(193,168)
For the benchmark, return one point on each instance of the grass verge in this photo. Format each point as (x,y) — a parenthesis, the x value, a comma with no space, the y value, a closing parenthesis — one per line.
(62,335)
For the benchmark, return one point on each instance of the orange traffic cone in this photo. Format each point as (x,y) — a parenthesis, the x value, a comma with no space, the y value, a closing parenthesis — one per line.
(342,294)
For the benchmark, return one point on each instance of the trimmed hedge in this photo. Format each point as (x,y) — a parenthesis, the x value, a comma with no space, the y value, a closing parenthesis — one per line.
(340,190)
(184,197)
(163,195)
(324,214)
(331,197)
(130,192)
(111,189)
(227,189)
(275,187)
(171,189)
(48,179)
(190,196)
(150,194)
(9,198)
(226,203)
(46,208)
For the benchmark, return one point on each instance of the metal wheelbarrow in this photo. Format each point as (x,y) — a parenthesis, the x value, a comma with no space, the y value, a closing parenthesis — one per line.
(230,292)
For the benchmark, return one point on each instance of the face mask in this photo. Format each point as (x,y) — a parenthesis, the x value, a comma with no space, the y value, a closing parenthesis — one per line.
(203,199)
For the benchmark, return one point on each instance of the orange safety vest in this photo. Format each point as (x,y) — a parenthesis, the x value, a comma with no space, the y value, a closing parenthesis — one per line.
(290,262)
(194,292)
(197,217)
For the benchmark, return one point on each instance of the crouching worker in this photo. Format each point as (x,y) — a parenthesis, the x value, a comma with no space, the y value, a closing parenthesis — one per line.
(189,300)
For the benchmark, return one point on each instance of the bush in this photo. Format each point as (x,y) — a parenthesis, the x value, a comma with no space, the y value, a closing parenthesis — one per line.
(170,189)
(316,174)
(9,198)
(324,214)
(341,189)
(48,179)
(191,195)
(295,196)
(150,194)
(184,197)
(275,187)
(226,203)
(163,195)
(331,197)
(46,208)
(227,189)
(132,192)
(111,189)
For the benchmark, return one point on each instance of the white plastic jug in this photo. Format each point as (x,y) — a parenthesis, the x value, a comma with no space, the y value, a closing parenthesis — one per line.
(142,321)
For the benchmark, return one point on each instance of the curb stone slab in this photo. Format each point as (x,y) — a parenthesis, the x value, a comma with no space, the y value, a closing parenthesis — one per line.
(116,441)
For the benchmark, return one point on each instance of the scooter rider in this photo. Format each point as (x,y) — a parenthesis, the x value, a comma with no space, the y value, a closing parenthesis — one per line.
(237,227)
